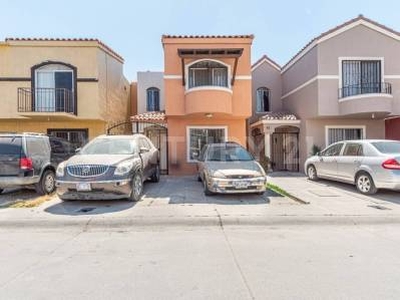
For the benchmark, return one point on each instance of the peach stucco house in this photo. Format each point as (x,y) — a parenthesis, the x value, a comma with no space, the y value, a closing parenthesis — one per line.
(344,84)
(207,94)
(71,88)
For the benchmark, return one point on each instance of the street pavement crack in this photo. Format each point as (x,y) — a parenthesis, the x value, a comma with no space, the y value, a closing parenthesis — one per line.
(238,267)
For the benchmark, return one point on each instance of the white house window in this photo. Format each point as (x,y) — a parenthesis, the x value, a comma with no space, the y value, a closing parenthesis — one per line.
(153,99)
(199,136)
(263,95)
(361,77)
(54,88)
(341,134)
(208,73)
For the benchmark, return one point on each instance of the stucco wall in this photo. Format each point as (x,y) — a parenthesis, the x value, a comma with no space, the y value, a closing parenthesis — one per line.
(147,80)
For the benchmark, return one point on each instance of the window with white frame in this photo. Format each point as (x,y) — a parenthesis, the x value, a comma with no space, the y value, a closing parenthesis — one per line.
(208,73)
(343,133)
(263,95)
(361,77)
(153,99)
(54,88)
(199,136)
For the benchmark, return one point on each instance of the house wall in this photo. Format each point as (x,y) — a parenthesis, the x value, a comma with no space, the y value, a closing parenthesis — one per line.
(265,75)
(102,90)
(229,107)
(147,80)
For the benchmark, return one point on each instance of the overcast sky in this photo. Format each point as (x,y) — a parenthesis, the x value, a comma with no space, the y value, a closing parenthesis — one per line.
(134,28)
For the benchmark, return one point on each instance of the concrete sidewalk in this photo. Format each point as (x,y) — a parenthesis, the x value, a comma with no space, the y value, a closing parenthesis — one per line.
(179,201)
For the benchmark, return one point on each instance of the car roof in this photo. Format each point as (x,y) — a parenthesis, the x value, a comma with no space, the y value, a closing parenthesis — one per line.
(367,141)
(224,144)
(122,136)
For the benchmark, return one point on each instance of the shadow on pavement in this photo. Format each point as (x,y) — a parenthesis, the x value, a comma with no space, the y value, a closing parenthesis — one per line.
(81,208)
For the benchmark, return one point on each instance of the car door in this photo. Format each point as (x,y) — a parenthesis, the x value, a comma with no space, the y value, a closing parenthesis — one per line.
(38,149)
(350,161)
(327,161)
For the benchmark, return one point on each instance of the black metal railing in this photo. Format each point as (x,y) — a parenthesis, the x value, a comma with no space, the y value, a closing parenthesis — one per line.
(365,88)
(46,100)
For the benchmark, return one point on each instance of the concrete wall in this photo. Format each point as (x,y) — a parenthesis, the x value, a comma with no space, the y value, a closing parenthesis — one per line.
(147,80)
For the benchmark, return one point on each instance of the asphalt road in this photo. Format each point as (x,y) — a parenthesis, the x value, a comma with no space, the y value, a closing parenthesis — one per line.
(280,262)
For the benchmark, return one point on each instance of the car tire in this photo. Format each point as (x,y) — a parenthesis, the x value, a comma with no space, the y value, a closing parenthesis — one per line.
(1,190)
(137,187)
(312,173)
(155,177)
(198,178)
(365,184)
(207,191)
(46,184)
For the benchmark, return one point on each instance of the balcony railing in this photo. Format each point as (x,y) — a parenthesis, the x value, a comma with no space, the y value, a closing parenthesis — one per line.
(46,100)
(365,88)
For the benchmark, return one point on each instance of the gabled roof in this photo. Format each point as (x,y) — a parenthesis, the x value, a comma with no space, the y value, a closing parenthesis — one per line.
(151,116)
(360,20)
(101,44)
(279,115)
(266,59)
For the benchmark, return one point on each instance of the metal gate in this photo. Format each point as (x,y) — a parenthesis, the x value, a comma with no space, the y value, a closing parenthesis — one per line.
(285,151)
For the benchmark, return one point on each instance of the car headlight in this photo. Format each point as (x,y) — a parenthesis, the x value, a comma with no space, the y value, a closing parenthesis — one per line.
(217,174)
(123,168)
(60,172)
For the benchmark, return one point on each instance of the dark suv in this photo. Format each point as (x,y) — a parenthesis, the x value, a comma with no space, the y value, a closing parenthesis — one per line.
(30,159)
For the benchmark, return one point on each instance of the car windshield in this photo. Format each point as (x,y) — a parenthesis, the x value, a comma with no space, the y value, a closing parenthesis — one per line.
(387,147)
(112,146)
(228,153)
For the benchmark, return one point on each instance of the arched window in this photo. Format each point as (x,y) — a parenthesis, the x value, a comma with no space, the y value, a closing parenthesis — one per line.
(54,85)
(208,73)
(263,95)
(153,99)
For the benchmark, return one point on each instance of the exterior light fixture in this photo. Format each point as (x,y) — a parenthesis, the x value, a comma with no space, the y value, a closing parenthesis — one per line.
(208,115)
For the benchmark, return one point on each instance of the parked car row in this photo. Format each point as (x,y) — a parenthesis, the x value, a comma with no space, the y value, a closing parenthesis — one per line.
(368,164)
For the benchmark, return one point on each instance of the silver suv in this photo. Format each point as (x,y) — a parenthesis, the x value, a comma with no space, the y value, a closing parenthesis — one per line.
(30,159)
(109,167)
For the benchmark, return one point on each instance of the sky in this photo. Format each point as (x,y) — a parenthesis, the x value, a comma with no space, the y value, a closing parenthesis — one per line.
(134,28)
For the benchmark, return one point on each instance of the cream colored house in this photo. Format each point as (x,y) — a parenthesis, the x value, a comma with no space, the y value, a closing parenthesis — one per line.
(72,88)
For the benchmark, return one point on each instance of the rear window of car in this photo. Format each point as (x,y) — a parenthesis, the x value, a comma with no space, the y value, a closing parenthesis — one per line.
(10,145)
(387,147)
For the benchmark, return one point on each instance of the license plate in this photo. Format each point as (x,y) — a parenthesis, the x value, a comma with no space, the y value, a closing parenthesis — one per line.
(83,186)
(241,184)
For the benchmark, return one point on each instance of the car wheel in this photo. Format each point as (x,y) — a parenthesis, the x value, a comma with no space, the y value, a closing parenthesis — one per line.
(198,178)
(137,187)
(46,185)
(1,190)
(312,173)
(156,175)
(207,191)
(365,184)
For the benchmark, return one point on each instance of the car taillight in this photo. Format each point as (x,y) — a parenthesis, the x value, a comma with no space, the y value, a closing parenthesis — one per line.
(25,163)
(391,164)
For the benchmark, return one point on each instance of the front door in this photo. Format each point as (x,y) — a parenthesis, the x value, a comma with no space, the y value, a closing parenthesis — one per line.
(285,151)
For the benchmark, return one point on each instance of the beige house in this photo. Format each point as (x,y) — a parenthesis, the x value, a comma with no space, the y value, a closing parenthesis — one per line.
(341,85)
(72,88)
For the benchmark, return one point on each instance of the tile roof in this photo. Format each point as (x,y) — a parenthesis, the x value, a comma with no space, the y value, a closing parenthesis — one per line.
(246,36)
(358,18)
(151,117)
(280,115)
(67,40)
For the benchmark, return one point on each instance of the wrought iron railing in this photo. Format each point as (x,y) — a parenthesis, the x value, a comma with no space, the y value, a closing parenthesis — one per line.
(46,100)
(365,88)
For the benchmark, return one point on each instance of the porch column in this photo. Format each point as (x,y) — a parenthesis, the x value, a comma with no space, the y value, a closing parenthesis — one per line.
(268,130)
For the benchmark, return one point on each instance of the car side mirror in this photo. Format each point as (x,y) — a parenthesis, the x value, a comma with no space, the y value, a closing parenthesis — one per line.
(77,150)
(144,149)
(195,155)
(318,153)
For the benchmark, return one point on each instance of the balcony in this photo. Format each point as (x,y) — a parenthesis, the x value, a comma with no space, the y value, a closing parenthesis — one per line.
(366,98)
(208,100)
(46,102)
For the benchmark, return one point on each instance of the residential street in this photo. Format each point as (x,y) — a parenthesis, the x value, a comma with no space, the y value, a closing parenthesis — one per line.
(179,262)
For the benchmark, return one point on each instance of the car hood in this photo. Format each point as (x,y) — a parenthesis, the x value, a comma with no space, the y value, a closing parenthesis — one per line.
(235,168)
(97,159)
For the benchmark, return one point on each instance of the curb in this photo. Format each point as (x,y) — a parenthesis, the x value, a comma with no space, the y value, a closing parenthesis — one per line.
(212,221)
